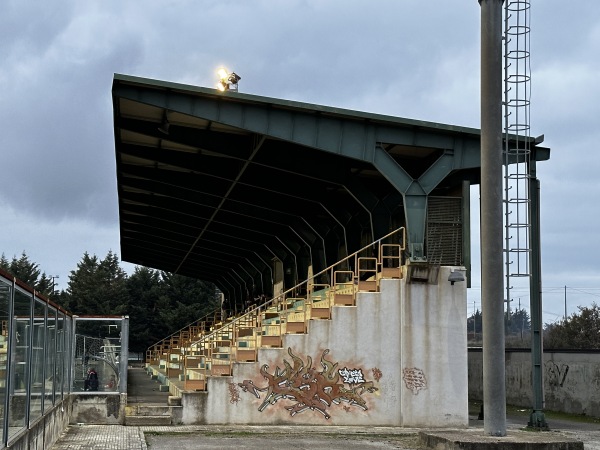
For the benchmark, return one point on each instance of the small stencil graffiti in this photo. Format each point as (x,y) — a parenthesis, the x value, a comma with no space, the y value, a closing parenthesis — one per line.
(310,389)
(414,379)
(376,374)
(234,394)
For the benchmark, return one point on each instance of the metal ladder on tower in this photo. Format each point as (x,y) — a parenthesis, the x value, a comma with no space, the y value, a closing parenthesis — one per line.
(517,151)
(521,262)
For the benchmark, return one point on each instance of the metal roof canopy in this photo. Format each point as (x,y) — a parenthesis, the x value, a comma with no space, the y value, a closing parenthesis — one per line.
(215,185)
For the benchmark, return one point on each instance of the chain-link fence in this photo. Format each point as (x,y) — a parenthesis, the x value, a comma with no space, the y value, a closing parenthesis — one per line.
(100,356)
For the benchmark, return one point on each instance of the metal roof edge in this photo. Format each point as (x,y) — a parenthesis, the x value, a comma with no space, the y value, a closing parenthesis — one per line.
(542,154)
(291,104)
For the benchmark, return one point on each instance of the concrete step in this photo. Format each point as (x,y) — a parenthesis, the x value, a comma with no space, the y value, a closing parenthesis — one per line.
(147,420)
(147,410)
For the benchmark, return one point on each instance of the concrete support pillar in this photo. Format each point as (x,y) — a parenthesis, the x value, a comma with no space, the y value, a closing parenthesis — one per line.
(492,274)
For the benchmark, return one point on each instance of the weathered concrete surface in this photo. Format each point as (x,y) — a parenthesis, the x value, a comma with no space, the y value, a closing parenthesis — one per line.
(313,441)
(406,346)
(571,380)
(98,408)
(45,431)
(514,440)
(434,343)
(193,437)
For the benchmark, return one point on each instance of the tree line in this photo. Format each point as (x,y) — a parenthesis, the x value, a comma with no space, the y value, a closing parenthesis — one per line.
(581,330)
(158,303)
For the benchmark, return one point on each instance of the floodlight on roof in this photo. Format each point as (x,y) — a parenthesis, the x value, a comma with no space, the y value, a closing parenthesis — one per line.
(223,75)
(228,81)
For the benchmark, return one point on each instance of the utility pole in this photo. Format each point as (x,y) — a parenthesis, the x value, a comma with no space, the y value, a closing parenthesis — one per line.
(492,268)
(522,318)
(474,329)
(565,303)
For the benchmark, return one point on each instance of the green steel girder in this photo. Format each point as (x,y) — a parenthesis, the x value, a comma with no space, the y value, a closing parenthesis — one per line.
(414,193)
(351,137)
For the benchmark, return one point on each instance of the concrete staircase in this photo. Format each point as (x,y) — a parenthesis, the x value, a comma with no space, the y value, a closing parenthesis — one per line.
(148,403)
(146,415)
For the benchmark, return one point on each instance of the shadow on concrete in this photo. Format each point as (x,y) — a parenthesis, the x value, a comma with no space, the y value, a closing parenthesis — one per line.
(141,388)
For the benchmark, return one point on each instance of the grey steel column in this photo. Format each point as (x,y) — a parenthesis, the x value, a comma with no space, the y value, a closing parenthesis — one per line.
(537,418)
(124,355)
(466,234)
(492,266)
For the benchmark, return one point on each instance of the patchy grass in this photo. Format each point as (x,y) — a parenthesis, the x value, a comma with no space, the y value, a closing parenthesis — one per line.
(574,417)
(521,411)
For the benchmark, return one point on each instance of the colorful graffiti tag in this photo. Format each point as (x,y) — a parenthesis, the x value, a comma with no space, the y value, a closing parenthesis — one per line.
(309,389)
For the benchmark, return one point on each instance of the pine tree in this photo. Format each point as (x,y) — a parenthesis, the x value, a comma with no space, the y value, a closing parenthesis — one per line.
(145,291)
(474,323)
(28,272)
(97,287)
(4,264)
(185,300)
(519,321)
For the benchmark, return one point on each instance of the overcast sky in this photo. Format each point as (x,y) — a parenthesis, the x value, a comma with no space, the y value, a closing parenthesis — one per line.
(407,58)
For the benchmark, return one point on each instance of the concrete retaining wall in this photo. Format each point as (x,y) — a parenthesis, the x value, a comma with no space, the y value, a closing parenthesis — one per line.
(99,408)
(44,433)
(398,358)
(571,380)
(75,408)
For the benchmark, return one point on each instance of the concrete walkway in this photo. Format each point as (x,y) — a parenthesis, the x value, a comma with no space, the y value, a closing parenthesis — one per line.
(105,437)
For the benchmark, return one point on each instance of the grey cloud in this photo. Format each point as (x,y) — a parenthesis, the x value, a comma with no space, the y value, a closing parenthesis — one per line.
(391,57)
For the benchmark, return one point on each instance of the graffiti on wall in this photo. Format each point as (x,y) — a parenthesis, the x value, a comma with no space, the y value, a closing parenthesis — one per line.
(310,389)
(234,394)
(556,375)
(414,379)
(376,374)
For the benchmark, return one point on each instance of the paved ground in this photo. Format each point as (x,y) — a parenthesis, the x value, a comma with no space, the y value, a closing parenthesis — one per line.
(105,437)
(111,437)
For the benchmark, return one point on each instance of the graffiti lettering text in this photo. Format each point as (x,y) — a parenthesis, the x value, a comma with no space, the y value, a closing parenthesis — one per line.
(352,376)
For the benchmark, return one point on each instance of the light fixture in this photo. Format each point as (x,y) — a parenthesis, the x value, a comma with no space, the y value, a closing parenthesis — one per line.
(165,125)
(228,81)
(455,277)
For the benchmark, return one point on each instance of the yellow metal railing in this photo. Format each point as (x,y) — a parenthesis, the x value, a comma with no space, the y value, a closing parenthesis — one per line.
(157,354)
(217,347)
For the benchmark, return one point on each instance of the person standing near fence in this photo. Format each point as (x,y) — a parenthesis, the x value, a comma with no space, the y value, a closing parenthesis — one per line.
(91,382)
